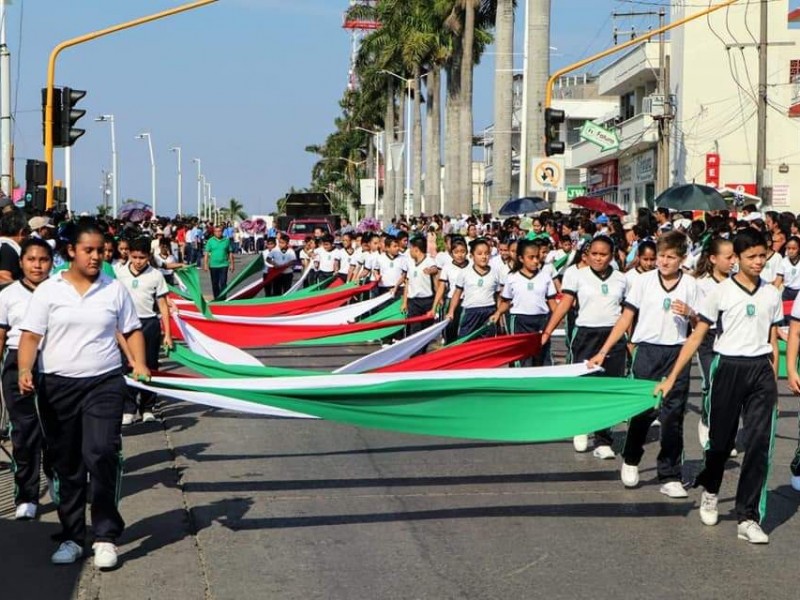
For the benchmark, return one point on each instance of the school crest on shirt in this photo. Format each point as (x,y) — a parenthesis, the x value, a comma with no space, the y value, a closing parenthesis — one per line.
(480,282)
(751,310)
(135,284)
(604,289)
(530,285)
(667,303)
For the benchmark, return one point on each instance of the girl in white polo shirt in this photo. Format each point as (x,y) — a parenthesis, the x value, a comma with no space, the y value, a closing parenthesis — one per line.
(743,383)
(476,289)
(76,315)
(446,287)
(661,302)
(713,267)
(36,260)
(529,293)
(789,270)
(599,291)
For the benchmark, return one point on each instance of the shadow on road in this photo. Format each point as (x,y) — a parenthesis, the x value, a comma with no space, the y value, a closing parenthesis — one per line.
(25,569)
(601,510)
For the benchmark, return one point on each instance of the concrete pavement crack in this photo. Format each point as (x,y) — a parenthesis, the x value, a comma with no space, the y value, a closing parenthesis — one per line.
(192,525)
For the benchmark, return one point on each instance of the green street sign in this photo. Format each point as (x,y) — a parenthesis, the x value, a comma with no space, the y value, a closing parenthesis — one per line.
(575,191)
(599,136)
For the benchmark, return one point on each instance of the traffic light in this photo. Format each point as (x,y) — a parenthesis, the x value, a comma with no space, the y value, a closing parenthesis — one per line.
(70,116)
(552,119)
(56,127)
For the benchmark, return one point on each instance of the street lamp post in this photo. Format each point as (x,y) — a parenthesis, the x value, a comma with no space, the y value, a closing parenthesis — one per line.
(199,186)
(377,135)
(208,199)
(114,172)
(148,137)
(177,150)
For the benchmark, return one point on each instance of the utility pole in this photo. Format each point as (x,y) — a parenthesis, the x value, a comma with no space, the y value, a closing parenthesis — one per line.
(761,140)
(663,173)
(7,167)
(536,66)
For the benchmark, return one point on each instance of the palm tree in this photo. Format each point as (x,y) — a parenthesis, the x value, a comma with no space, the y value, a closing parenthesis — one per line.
(235,210)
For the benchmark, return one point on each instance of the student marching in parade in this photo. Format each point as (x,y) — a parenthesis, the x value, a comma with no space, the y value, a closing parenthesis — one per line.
(448,274)
(660,301)
(388,267)
(646,254)
(36,259)
(599,291)
(774,259)
(364,265)
(476,289)
(343,257)
(743,383)
(324,258)
(530,293)
(148,290)
(792,355)
(419,276)
(281,256)
(307,259)
(789,270)
(76,315)
(713,267)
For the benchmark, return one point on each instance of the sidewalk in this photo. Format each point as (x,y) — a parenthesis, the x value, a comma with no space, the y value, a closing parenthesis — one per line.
(159,557)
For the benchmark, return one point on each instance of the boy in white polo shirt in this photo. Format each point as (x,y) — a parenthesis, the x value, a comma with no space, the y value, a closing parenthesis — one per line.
(147,288)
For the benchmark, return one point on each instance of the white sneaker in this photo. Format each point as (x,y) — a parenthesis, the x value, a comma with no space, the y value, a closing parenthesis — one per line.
(655,423)
(580,443)
(26,511)
(603,452)
(128,418)
(629,475)
(105,555)
(709,514)
(796,483)
(752,532)
(148,417)
(67,553)
(734,453)
(674,489)
(702,434)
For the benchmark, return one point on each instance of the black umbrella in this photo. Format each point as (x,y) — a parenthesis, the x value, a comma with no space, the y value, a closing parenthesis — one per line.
(691,197)
(521,206)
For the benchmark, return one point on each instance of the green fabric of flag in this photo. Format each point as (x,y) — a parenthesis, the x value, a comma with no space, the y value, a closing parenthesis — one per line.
(190,278)
(255,266)
(523,409)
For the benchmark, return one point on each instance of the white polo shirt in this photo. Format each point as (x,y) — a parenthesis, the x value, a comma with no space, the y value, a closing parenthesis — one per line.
(790,273)
(449,274)
(529,295)
(144,288)
(345,258)
(390,269)
(418,283)
(770,270)
(599,295)
(656,323)
(14,301)
(80,331)
(324,260)
(478,290)
(280,258)
(744,319)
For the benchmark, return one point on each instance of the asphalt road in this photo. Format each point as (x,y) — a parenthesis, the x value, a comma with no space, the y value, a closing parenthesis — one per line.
(225,506)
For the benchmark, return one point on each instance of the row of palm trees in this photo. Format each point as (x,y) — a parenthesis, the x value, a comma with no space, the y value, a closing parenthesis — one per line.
(430,44)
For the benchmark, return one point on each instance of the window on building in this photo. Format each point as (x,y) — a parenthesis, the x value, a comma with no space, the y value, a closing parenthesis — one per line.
(627,106)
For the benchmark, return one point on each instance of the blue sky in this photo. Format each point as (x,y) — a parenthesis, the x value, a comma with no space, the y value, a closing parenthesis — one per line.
(244,85)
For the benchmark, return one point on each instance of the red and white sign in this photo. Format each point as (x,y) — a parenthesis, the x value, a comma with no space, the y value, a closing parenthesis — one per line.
(712,170)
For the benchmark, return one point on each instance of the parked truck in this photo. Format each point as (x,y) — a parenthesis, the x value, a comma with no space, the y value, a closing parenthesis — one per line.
(306,214)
